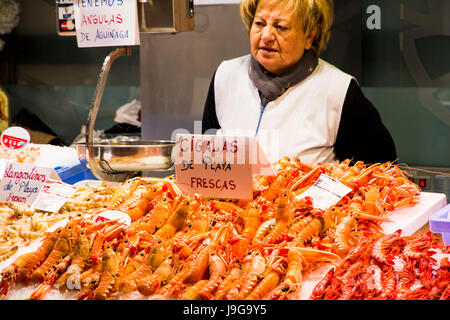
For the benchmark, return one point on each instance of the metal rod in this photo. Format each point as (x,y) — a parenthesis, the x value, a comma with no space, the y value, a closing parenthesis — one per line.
(124,51)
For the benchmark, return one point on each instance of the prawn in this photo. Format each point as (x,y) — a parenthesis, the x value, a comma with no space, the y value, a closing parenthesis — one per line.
(283,218)
(110,270)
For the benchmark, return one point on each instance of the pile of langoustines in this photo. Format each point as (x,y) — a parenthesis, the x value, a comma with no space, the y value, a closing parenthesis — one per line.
(190,247)
(20,224)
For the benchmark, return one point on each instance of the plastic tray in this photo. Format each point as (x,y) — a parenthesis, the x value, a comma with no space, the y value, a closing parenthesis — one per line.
(75,173)
(440,223)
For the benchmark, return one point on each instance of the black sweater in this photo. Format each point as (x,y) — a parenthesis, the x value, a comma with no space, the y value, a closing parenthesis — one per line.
(361,135)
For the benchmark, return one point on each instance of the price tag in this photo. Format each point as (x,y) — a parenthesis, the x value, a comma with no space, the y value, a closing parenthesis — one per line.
(22,182)
(113,215)
(106,23)
(15,138)
(54,194)
(325,192)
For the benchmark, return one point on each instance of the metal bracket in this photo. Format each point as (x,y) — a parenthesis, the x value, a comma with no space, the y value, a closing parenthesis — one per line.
(110,58)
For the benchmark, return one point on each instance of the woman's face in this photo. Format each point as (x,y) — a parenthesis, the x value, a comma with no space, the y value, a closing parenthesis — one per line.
(277,40)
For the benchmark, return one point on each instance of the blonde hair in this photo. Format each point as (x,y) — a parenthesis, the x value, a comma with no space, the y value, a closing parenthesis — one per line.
(316,17)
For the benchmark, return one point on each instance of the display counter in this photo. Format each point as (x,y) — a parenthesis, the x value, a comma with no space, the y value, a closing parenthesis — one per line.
(145,239)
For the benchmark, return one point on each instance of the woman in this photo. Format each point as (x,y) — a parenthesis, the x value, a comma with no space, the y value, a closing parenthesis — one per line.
(292,101)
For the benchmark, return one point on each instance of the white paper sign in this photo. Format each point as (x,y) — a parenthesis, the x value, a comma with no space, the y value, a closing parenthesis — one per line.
(22,182)
(325,192)
(214,166)
(219,166)
(54,194)
(104,23)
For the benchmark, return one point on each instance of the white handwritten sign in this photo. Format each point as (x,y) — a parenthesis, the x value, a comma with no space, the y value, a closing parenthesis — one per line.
(219,166)
(103,23)
(214,166)
(325,192)
(22,182)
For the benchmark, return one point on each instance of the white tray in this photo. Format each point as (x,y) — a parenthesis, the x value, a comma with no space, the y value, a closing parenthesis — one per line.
(411,219)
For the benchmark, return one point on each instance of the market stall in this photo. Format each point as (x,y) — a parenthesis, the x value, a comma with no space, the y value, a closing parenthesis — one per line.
(276,246)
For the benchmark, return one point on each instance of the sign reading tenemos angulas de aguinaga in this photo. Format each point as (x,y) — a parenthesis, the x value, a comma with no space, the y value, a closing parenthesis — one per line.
(105,23)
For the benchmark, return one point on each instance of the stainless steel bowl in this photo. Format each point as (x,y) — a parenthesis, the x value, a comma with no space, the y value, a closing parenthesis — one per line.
(118,161)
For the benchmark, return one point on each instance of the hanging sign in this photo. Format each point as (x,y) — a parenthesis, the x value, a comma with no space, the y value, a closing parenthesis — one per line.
(104,23)
(216,166)
(15,138)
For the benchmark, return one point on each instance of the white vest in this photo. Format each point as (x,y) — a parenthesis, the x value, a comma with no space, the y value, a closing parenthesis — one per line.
(302,122)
